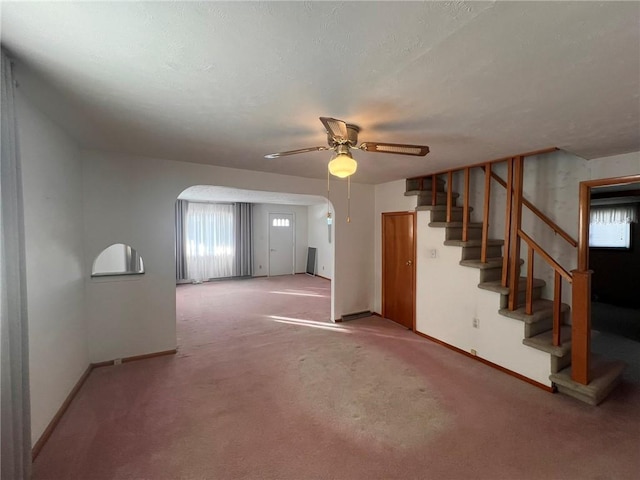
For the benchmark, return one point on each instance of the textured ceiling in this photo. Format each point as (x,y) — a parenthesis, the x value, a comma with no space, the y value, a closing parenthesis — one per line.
(226,83)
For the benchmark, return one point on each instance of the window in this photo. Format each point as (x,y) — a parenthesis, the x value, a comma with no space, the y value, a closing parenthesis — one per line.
(610,226)
(281,222)
(611,235)
(210,240)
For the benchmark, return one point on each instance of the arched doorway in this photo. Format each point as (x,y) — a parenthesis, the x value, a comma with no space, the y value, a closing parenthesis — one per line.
(214,284)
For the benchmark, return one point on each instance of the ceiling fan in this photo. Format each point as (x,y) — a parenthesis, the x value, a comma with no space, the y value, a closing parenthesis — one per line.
(342,137)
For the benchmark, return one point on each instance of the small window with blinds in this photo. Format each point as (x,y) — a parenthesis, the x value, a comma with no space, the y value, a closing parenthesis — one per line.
(281,222)
(610,226)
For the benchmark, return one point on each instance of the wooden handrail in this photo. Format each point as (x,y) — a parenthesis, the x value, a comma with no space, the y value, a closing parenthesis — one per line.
(558,273)
(554,226)
(540,251)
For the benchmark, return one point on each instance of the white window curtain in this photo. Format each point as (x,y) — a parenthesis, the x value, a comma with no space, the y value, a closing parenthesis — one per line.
(614,214)
(15,423)
(211,242)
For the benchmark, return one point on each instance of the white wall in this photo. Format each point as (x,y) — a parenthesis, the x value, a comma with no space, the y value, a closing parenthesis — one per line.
(51,172)
(261,236)
(448,300)
(319,239)
(615,166)
(389,198)
(130,200)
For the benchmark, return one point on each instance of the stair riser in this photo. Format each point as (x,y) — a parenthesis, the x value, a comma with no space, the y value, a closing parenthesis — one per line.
(455,233)
(441,216)
(593,401)
(441,199)
(604,376)
(426,185)
(533,329)
(473,253)
(522,297)
(558,363)
(490,274)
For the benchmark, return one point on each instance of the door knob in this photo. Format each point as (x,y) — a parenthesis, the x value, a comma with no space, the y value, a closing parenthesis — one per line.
(409,263)
(272,250)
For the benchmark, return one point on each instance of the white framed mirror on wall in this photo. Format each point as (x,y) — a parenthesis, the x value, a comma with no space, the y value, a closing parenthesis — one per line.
(117,259)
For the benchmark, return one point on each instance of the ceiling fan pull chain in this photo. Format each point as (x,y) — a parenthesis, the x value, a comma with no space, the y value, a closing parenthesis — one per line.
(328,191)
(349,199)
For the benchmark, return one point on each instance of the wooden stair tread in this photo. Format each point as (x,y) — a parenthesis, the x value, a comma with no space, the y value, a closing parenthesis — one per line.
(542,309)
(496,285)
(605,375)
(495,262)
(441,208)
(453,225)
(426,181)
(544,341)
(473,243)
(428,193)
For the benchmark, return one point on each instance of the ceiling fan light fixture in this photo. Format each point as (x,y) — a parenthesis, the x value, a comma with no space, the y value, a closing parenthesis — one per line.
(343,165)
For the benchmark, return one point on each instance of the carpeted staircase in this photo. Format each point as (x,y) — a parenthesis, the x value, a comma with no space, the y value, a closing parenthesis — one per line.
(538,327)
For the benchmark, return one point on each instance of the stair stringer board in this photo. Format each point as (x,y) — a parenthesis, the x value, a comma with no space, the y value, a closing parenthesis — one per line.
(448,299)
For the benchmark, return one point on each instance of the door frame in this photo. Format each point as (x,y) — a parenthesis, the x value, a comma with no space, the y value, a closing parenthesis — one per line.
(415,243)
(581,289)
(293,253)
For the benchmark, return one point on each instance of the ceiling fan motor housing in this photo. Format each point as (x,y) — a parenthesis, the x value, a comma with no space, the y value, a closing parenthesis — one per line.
(352,136)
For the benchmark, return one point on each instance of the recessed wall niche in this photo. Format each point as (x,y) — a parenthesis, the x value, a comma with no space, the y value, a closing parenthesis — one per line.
(117,259)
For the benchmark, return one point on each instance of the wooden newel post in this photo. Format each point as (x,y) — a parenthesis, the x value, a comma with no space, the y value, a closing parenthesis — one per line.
(581,326)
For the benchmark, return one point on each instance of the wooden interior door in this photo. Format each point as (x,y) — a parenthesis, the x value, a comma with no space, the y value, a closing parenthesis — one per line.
(399,267)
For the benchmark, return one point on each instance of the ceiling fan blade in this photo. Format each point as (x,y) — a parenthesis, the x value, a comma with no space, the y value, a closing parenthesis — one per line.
(397,148)
(294,152)
(337,129)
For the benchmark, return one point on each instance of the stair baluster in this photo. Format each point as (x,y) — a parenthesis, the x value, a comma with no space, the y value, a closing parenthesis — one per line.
(516,222)
(487,206)
(529,301)
(507,223)
(465,209)
(434,192)
(449,194)
(557,300)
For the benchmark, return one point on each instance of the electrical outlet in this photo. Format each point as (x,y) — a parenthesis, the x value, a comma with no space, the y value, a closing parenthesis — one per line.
(322,267)
(476,323)
(473,352)
(433,253)
(260,267)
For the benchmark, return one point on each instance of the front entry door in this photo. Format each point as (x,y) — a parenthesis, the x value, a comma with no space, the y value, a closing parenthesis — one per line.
(398,267)
(281,251)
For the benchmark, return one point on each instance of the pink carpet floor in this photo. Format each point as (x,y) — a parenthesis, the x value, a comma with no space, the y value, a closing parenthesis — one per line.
(263,387)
